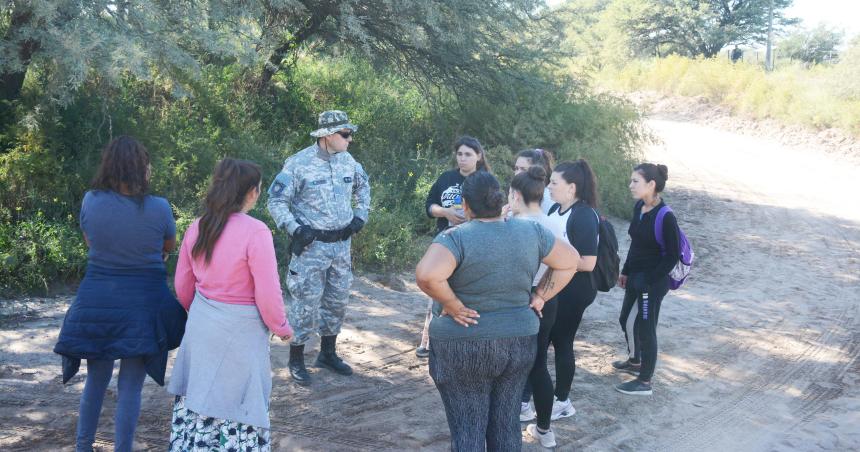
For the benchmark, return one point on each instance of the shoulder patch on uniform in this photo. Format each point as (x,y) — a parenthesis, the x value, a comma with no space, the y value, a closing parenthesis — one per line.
(279,184)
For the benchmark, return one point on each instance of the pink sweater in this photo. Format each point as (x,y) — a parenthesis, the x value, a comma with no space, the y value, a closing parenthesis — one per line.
(243,270)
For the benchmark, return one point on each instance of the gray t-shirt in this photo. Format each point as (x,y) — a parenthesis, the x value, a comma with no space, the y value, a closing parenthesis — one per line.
(496,263)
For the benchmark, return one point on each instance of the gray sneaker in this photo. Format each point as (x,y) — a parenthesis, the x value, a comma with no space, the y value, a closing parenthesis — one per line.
(627,366)
(634,387)
(422,352)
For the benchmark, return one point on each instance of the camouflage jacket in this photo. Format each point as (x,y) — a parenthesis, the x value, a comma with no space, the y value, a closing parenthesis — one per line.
(318,190)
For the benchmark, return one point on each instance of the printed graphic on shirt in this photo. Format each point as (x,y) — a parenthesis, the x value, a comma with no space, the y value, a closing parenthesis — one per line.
(451,196)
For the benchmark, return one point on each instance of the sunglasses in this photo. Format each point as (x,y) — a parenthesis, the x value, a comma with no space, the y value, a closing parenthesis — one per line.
(345,135)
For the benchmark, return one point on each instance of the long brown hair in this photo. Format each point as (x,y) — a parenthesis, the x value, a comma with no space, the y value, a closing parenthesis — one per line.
(123,169)
(231,182)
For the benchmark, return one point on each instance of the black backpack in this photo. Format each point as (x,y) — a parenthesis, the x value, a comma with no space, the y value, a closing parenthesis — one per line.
(608,266)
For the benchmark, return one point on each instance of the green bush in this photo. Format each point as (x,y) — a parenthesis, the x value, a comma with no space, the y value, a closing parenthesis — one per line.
(37,255)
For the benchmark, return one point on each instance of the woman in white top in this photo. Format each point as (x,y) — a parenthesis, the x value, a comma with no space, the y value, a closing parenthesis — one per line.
(525,199)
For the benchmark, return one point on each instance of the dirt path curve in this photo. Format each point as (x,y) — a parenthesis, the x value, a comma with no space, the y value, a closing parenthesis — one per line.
(758,352)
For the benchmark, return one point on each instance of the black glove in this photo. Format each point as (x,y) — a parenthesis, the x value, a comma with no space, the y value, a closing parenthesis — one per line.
(302,237)
(353,227)
(637,282)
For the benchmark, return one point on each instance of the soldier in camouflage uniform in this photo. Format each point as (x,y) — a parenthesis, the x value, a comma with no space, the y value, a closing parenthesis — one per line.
(312,199)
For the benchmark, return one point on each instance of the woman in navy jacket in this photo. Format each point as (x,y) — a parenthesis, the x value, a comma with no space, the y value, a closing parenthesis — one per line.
(123,309)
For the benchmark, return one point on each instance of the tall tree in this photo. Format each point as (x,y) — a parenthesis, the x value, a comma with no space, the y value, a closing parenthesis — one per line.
(450,42)
(698,27)
(812,46)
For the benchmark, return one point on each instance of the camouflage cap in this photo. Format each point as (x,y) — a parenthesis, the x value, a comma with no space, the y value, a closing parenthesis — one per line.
(332,121)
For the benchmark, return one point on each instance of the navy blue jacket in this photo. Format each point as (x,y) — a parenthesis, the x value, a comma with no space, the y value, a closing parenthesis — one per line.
(122,314)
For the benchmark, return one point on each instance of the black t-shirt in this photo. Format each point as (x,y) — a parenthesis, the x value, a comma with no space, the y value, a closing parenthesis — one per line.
(645,254)
(444,192)
(580,224)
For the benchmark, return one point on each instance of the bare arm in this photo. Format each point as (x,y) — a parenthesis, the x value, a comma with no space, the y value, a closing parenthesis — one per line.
(432,275)
(562,261)
(587,263)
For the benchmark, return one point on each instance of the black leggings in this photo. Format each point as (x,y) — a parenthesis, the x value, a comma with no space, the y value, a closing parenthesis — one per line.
(539,379)
(572,302)
(645,327)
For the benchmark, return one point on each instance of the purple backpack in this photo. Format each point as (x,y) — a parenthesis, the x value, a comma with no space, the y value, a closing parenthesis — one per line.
(682,269)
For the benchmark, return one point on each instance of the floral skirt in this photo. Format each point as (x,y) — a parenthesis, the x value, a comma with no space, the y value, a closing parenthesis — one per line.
(197,433)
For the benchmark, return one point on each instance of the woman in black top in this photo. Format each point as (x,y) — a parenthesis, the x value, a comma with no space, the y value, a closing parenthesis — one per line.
(645,275)
(445,203)
(574,189)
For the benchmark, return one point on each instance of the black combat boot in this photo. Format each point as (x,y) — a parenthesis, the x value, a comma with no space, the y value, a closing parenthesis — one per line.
(328,357)
(297,365)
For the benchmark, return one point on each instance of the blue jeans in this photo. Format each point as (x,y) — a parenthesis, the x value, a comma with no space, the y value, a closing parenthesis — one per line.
(130,382)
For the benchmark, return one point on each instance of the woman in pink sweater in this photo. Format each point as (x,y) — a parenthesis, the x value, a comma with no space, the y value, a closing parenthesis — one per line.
(227,279)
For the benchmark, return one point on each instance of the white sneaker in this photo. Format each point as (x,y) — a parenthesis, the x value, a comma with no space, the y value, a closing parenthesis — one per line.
(562,409)
(527,413)
(546,439)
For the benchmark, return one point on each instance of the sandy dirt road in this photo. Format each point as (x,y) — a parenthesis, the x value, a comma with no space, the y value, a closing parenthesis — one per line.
(759,351)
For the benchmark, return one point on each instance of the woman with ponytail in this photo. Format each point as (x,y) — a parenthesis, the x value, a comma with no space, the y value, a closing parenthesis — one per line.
(525,201)
(227,279)
(645,275)
(574,188)
(483,334)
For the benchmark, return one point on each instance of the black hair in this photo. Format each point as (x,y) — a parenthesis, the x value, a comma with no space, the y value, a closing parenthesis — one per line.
(475,145)
(658,173)
(579,172)
(530,184)
(125,162)
(540,157)
(483,194)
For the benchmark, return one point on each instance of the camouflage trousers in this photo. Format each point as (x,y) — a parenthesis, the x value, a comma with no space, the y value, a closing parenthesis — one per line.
(319,282)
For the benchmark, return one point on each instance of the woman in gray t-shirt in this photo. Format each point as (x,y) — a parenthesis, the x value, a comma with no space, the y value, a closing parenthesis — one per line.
(483,332)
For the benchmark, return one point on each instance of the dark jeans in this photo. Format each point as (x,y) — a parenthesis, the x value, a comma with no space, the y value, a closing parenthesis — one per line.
(645,325)
(479,381)
(540,382)
(572,302)
(129,385)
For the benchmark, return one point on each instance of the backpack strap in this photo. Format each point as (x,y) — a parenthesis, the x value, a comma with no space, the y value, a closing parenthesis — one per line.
(658,227)
(596,215)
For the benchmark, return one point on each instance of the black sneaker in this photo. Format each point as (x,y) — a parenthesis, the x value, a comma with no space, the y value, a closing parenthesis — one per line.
(627,366)
(634,387)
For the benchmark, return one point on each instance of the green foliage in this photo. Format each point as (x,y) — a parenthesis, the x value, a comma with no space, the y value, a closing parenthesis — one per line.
(38,254)
(818,97)
(50,153)
(812,46)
